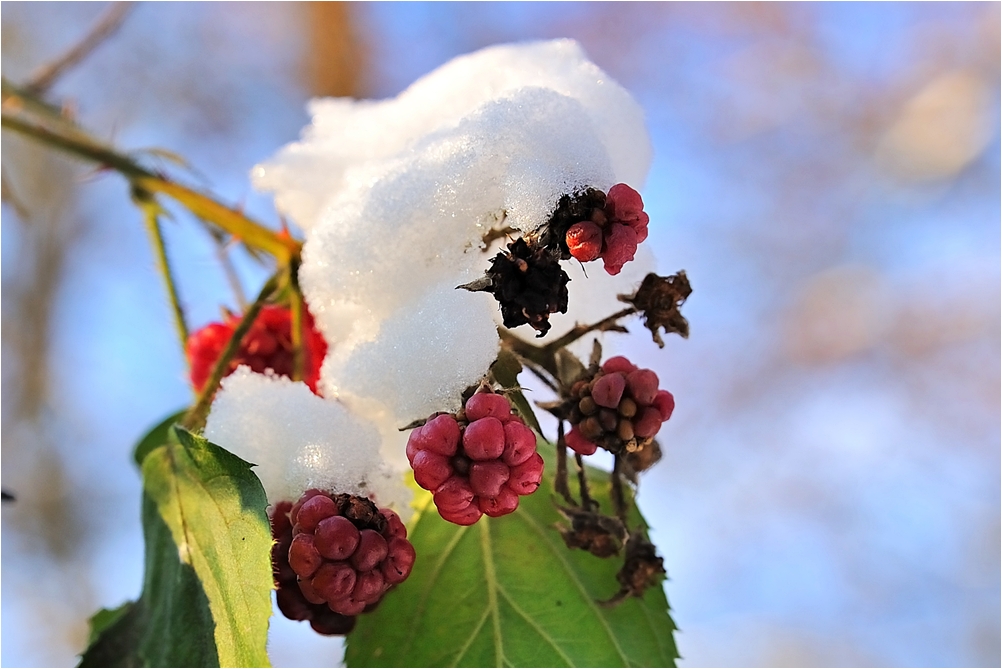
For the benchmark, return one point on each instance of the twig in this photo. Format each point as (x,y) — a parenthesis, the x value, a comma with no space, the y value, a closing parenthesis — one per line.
(586,501)
(560,484)
(618,499)
(151,213)
(195,418)
(578,331)
(110,21)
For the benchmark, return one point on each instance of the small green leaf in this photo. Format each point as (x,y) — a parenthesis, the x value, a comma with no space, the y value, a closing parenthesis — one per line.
(508,592)
(505,370)
(105,618)
(207,588)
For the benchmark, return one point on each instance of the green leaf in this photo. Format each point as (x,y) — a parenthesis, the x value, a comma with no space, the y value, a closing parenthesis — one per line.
(158,436)
(508,592)
(207,588)
(506,370)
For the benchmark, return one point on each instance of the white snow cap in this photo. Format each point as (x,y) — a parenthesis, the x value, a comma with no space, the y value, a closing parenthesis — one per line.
(395,197)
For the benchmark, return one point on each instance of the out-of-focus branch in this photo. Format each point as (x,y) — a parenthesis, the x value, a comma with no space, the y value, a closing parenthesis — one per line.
(106,26)
(71,139)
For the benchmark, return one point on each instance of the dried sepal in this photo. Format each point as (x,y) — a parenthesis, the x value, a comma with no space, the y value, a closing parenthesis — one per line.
(658,299)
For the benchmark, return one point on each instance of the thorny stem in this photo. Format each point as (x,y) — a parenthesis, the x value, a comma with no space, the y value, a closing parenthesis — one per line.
(618,499)
(560,483)
(195,418)
(151,214)
(110,22)
(75,141)
(586,501)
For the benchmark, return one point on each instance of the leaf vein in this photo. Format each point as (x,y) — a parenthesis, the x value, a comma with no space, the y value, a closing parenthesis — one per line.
(436,571)
(535,626)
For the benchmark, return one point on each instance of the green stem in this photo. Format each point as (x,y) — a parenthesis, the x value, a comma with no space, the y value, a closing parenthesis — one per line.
(195,418)
(151,211)
(618,498)
(296,299)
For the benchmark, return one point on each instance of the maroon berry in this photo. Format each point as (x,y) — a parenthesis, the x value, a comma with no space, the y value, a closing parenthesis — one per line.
(369,586)
(439,435)
(454,495)
(664,402)
(649,423)
(482,405)
(486,478)
(336,538)
(395,527)
(484,439)
(643,385)
(398,563)
(372,550)
(520,443)
(293,605)
(314,510)
(465,516)
(430,469)
(334,580)
(311,595)
(576,441)
(525,478)
(303,556)
(608,390)
(328,623)
(503,503)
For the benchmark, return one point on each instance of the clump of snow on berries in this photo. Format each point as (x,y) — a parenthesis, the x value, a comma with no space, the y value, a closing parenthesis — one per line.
(346,133)
(300,441)
(478,461)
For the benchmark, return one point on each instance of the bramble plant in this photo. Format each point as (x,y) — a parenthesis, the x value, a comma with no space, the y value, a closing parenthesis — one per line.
(402,491)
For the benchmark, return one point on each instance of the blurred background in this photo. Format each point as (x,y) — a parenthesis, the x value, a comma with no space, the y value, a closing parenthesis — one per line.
(827,174)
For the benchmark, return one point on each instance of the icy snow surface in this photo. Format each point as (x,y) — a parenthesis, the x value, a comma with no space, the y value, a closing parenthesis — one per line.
(395,197)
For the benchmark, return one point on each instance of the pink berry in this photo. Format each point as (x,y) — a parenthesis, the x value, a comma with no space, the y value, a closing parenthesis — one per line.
(314,510)
(623,203)
(525,478)
(578,443)
(484,439)
(482,405)
(372,549)
(520,443)
(620,247)
(430,469)
(399,561)
(334,580)
(648,423)
(336,538)
(618,364)
(608,390)
(440,435)
(454,495)
(643,385)
(584,240)
(664,402)
(502,504)
(464,516)
(303,556)
(486,478)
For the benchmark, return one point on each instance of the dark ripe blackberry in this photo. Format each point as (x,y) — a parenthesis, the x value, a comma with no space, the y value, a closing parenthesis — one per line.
(528,283)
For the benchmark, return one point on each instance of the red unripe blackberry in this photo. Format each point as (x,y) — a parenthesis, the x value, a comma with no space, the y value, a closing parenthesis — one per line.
(489,443)
(584,240)
(619,408)
(267,345)
(345,560)
(620,247)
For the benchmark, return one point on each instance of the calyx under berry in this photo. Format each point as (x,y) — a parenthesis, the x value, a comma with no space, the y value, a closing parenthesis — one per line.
(477,461)
(267,345)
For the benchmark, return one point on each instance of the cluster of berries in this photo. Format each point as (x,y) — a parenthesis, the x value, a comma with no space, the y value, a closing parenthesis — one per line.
(527,280)
(619,408)
(477,461)
(610,230)
(345,554)
(267,345)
